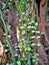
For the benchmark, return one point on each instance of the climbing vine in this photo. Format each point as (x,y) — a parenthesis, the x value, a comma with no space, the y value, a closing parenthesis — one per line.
(28,29)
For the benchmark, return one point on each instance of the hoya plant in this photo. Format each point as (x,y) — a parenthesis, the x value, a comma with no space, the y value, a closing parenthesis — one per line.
(28,30)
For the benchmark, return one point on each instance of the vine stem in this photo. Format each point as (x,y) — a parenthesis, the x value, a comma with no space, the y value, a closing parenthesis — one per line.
(7,41)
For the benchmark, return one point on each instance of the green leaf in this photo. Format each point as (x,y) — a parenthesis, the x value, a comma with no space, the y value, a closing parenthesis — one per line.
(33,31)
(23,27)
(36,24)
(23,13)
(33,44)
(18,62)
(29,27)
(34,60)
(33,27)
(32,21)
(28,48)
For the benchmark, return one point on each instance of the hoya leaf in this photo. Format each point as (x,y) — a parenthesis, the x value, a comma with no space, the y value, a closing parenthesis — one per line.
(18,62)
